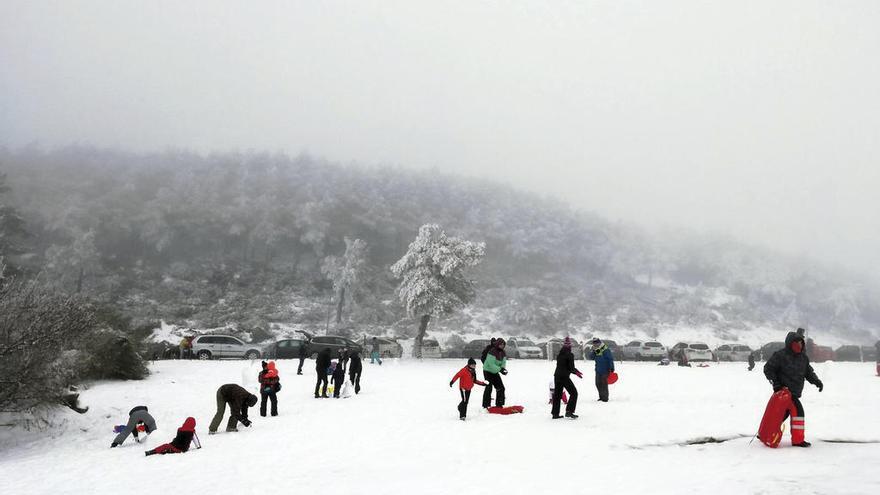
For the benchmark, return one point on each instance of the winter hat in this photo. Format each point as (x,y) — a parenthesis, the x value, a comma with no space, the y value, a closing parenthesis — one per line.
(566,343)
(596,342)
(471,361)
(188,425)
(252,400)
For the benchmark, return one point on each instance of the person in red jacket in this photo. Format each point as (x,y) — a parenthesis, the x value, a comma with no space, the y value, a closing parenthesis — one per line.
(185,436)
(466,377)
(270,385)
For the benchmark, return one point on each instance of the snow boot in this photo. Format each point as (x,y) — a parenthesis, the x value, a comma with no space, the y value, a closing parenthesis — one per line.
(231,430)
(571,415)
(804,444)
(556,416)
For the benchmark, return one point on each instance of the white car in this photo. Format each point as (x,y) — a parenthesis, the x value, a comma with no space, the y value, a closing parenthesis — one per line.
(698,351)
(431,349)
(388,348)
(522,349)
(733,352)
(223,346)
(644,350)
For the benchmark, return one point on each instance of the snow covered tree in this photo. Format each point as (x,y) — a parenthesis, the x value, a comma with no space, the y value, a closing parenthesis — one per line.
(345,271)
(433,276)
(12,229)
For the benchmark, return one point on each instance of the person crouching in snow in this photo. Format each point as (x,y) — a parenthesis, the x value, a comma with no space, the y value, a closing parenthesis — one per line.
(239,401)
(562,380)
(270,384)
(186,434)
(466,377)
(338,378)
(788,368)
(601,354)
(136,417)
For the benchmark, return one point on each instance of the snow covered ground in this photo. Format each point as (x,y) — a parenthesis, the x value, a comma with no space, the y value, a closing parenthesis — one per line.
(402,435)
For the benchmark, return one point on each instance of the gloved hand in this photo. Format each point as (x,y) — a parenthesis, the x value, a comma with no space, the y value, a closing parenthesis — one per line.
(246,423)
(503,371)
(820,385)
(114,444)
(578,374)
(776,387)
(450,384)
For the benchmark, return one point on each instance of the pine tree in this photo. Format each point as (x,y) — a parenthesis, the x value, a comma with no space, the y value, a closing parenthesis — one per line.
(433,276)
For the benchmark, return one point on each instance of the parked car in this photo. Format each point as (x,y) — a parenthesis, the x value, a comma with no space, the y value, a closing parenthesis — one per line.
(431,349)
(732,352)
(819,353)
(848,353)
(644,350)
(474,348)
(698,351)
(555,344)
(388,348)
(334,343)
(520,348)
(674,352)
(284,349)
(223,346)
(869,353)
(768,349)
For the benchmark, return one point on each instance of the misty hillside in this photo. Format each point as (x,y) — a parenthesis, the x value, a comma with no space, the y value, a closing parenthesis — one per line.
(240,240)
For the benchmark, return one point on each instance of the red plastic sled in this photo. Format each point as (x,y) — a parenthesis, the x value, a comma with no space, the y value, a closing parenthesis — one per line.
(612,378)
(506,410)
(770,431)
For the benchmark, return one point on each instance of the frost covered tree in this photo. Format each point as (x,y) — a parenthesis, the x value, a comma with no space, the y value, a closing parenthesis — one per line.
(345,271)
(432,274)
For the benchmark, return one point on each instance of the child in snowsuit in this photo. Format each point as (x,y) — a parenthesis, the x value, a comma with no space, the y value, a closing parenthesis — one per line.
(355,368)
(788,368)
(239,401)
(601,354)
(494,365)
(137,416)
(338,379)
(270,384)
(186,434)
(553,390)
(467,377)
(562,381)
(321,365)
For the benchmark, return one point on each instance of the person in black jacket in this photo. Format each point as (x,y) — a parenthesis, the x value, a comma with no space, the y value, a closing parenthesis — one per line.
(562,380)
(338,379)
(486,350)
(321,365)
(355,367)
(239,400)
(788,368)
(303,354)
(186,434)
(751,361)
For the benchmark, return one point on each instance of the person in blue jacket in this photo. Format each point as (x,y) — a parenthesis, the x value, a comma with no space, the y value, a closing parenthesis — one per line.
(601,354)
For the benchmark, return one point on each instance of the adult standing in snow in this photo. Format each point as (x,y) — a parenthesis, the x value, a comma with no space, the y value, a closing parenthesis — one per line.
(877,346)
(601,354)
(374,352)
(788,368)
(270,384)
(322,363)
(751,361)
(562,380)
(239,400)
(303,354)
(355,367)
(139,415)
(493,367)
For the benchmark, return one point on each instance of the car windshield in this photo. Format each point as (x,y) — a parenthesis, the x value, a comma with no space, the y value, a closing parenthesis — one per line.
(653,344)
(525,343)
(634,343)
(699,347)
(430,343)
(741,348)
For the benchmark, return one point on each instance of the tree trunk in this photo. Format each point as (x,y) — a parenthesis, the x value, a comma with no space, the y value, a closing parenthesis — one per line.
(339,305)
(423,328)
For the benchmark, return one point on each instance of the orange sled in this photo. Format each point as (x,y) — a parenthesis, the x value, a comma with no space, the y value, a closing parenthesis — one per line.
(506,410)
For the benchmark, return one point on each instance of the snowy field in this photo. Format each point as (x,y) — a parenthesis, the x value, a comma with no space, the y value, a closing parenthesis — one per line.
(402,435)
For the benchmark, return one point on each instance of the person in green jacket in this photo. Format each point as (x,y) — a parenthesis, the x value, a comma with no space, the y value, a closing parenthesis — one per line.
(494,366)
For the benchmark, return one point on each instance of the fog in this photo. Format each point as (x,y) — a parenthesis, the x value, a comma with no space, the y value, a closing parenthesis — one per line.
(754,120)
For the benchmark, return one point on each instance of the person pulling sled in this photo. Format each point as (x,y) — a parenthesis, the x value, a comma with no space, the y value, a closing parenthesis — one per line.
(786,370)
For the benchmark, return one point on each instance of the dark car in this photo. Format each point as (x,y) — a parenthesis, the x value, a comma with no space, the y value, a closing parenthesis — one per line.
(334,343)
(474,348)
(767,350)
(869,353)
(285,349)
(848,353)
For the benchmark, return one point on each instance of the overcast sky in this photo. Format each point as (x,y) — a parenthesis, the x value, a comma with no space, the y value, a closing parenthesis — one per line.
(757,119)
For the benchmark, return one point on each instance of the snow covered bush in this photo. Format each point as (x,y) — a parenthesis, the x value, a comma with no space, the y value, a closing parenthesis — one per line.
(433,276)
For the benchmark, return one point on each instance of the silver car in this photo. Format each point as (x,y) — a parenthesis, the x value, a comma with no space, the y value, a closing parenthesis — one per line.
(733,352)
(223,346)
